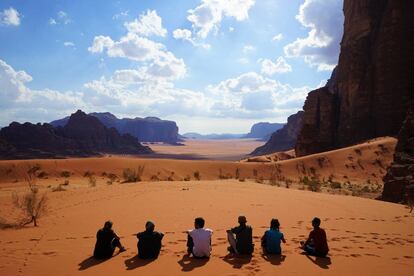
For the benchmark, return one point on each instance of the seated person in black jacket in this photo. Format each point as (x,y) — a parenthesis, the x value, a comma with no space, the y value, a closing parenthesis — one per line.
(106,242)
(244,238)
(149,242)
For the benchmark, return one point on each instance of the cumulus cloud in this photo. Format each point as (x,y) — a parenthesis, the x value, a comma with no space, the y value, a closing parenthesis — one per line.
(18,102)
(10,17)
(321,47)
(186,35)
(147,25)
(61,18)
(207,16)
(269,67)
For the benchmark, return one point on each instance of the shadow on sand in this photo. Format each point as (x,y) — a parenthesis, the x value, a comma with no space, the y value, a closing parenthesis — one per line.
(136,262)
(322,262)
(237,261)
(274,259)
(188,263)
(89,262)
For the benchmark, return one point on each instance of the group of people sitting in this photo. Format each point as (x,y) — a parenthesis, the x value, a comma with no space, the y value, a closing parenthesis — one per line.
(240,240)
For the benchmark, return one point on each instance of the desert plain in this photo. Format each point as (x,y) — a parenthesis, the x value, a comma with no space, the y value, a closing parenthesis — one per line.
(365,236)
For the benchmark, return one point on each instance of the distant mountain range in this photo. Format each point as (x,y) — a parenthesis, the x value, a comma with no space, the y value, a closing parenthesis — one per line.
(149,129)
(261,131)
(83,135)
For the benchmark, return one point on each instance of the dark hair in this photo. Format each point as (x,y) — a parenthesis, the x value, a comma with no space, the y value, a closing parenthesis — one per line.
(108,224)
(274,224)
(316,222)
(149,226)
(199,222)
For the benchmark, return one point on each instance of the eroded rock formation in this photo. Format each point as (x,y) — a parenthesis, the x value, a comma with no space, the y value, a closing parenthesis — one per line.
(284,138)
(368,94)
(399,180)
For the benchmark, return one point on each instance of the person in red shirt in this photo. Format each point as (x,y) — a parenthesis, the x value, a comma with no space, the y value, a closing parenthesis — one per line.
(316,244)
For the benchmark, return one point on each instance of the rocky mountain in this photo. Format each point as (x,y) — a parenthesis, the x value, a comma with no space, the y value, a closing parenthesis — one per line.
(149,129)
(368,93)
(83,135)
(399,180)
(263,130)
(284,138)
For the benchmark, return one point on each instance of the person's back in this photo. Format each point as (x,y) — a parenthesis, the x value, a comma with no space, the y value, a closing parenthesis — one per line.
(106,242)
(202,241)
(149,242)
(244,236)
(318,237)
(317,243)
(273,238)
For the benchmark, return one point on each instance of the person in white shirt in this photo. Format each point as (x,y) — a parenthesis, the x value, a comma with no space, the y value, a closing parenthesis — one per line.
(199,240)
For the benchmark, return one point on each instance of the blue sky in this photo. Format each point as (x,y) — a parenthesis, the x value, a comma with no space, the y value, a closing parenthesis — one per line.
(210,65)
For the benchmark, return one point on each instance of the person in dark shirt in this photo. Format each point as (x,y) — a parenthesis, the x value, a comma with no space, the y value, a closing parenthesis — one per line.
(106,242)
(316,244)
(244,237)
(149,242)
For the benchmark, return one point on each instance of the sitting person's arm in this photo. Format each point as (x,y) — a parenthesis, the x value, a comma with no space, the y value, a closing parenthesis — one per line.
(283,239)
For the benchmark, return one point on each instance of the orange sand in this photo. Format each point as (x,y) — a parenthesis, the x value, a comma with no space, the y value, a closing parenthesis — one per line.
(366,237)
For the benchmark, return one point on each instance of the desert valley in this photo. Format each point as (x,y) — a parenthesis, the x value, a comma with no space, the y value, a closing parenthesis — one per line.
(347,157)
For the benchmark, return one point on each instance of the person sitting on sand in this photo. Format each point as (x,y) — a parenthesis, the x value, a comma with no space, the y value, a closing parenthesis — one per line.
(316,244)
(149,242)
(106,242)
(243,243)
(199,240)
(272,238)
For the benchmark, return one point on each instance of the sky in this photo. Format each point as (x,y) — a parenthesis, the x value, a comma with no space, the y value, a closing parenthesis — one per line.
(213,66)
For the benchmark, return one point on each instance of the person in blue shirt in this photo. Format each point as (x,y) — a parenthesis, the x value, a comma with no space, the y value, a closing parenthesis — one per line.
(272,238)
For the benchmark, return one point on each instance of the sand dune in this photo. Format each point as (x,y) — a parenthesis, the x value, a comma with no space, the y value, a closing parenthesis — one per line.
(366,237)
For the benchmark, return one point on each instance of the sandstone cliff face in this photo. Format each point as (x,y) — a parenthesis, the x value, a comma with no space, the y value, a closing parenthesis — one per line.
(373,82)
(149,129)
(284,138)
(83,135)
(263,130)
(399,180)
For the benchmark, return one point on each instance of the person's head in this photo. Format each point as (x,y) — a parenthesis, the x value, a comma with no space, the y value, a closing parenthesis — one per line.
(316,222)
(274,224)
(149,226)
(199,222)
(242,220)
(108,225)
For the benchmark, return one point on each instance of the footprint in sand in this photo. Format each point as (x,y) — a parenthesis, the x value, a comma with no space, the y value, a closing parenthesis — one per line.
(49,253)
(355,255)
(409,257)
(371,255)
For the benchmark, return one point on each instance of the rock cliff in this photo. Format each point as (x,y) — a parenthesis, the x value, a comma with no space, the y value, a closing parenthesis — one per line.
(263,130)
(149,129)
(284,138)
(399,180)
(367,95)
(83,135)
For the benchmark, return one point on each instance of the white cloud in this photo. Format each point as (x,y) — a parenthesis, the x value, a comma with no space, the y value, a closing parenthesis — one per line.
(277,37)
(207,16)
(248,49)
(18,102)
(321,47)
(61,18)
(148,24)
(10,17)
(186,35)
(270,68)
(68,44)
